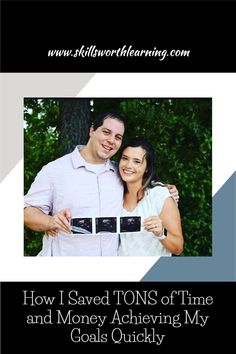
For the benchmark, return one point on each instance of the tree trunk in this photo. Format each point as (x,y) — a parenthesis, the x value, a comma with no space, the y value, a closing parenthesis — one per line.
(74,122)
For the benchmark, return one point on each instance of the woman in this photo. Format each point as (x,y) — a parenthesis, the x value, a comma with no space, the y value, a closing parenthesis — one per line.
(161,233)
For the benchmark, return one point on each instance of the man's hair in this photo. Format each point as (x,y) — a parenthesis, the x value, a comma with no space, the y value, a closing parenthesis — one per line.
(98,121)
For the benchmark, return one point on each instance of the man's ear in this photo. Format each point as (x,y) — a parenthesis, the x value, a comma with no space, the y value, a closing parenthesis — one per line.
(91,131)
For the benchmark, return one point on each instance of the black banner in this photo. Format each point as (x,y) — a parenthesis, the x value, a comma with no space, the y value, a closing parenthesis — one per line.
(114,36)
(116,316)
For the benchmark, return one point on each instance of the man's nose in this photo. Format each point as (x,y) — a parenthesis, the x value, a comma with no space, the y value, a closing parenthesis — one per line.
(111,139)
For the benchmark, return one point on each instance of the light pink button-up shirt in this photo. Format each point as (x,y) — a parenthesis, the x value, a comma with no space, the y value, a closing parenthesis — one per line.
(68,182)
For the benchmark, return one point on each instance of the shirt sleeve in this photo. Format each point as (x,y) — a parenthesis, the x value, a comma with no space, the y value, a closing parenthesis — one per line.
(158,196)
(40,194)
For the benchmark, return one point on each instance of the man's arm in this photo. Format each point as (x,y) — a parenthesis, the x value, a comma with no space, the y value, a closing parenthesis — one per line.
(173,191)
(37,220)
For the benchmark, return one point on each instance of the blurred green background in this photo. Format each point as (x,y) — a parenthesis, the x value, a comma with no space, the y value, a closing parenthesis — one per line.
(180,130)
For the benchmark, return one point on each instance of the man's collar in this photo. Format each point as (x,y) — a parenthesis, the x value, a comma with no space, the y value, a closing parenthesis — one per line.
(79,161)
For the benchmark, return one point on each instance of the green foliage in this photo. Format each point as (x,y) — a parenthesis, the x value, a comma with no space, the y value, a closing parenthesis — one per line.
(178,129)
(40,147)
(180,132)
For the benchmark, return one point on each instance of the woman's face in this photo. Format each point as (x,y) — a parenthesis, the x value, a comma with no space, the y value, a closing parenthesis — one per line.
(133,164)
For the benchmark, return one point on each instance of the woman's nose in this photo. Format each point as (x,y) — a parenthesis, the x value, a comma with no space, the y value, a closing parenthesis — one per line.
(128,164)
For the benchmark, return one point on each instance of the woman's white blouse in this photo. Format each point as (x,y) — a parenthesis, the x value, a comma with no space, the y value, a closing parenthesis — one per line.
(145,243)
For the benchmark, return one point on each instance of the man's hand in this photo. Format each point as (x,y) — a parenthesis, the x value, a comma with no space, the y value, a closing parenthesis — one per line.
(59,221)
(37,220)
(173,191)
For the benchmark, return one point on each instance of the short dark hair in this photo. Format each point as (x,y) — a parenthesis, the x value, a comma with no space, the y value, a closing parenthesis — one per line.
(98,121)
(149,174)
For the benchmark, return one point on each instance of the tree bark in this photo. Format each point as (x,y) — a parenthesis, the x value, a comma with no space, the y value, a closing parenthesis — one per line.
(74,122)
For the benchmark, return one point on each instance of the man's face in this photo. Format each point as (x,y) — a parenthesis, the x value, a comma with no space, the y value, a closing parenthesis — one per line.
(106,139)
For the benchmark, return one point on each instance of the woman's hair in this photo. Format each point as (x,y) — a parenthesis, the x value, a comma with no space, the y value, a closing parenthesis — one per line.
(149,174)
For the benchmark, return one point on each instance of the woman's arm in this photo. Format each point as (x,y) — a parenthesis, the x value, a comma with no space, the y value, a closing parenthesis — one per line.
(171,221)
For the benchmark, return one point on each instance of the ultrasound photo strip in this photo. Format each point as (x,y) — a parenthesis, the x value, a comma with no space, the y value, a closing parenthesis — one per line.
(101,225)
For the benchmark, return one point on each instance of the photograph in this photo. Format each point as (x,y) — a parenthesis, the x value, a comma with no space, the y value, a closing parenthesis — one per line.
(106,225)
(81,226)
(130,224)
(118,157)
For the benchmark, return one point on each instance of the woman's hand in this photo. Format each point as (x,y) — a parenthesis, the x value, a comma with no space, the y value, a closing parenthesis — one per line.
(153,224)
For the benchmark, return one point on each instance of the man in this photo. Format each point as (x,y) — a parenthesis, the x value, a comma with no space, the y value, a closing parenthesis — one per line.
(83,183)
